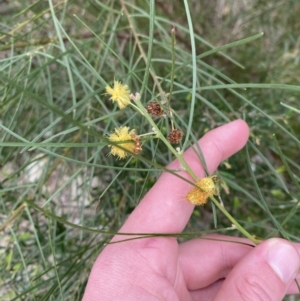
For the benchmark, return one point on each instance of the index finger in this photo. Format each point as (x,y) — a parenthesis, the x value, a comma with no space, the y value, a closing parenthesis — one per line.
(164,208)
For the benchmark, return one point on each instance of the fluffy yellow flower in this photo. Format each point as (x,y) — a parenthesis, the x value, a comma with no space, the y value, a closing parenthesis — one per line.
(131,142)
(119,93)
(206,187)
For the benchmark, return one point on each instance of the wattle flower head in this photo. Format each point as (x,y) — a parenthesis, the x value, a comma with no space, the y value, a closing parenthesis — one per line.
(131,142)
(120,94)
(206,187)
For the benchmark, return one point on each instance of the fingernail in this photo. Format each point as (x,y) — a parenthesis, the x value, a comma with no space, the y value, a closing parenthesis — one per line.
(284,260)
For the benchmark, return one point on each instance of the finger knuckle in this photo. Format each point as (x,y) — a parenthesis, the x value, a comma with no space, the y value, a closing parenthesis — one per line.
(252,288)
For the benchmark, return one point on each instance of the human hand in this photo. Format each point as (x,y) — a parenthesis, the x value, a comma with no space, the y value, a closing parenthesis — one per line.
(157,268)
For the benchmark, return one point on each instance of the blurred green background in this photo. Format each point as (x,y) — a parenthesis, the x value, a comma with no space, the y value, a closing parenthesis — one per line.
(62,197)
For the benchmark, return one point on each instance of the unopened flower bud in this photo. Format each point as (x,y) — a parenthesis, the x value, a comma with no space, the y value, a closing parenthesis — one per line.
(175,136)
(154,108)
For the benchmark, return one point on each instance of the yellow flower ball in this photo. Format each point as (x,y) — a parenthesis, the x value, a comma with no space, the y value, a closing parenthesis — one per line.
(120,94)
(206,187)
(131,142)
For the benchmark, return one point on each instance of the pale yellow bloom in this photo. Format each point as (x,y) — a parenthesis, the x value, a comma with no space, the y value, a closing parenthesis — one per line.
(131,142)
(206,187)
(120,94)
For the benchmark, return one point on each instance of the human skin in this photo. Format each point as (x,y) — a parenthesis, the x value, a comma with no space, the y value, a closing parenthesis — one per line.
(212,268)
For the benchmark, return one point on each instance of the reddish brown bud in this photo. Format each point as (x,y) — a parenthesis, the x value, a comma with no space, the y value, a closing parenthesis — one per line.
(154,108)
(175,136)
(137,143)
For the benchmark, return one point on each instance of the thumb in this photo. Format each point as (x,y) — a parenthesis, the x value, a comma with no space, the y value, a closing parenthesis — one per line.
(265,273)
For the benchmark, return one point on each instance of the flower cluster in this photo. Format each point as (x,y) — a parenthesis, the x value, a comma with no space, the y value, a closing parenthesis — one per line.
(125,140)
(204,188)
(128,141)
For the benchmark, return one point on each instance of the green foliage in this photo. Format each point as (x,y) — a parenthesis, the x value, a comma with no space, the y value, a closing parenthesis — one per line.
(62,197)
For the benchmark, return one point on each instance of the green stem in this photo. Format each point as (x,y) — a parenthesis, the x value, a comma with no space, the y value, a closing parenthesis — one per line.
(160,136)
(172,65)
(234,222)
(179,156)
(148,134)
